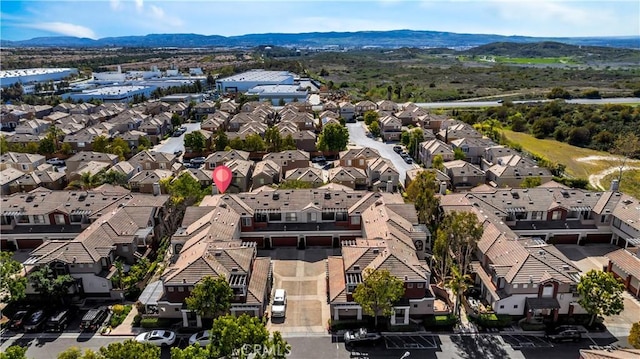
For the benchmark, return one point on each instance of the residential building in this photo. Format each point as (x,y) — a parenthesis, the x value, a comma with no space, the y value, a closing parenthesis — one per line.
(75,161)
(464,175)
(473,148)
(358,157)
(266,172)
(382,175)
(311,175)
(25,162)
(7,177)
(289,160)
(48,179)
(347,110)
(624,263)
(152,160)
(442,179)
(221,157)
(429,149)
(148,181)
(352,177)
(364,106)
(390,128)
(513,176)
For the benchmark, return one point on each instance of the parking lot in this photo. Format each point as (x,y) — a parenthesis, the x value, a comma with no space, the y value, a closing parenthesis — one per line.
(525,341)
(411,341)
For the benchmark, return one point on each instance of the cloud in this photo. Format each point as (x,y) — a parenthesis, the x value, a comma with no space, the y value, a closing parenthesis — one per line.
(115,4)
(159,14)
(139,5)
(64,28)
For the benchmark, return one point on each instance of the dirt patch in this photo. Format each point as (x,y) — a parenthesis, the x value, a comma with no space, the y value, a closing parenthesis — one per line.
(596,178)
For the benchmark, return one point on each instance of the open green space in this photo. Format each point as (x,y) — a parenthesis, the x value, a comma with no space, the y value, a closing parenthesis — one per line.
(535,60)
(562,153)
(630,182)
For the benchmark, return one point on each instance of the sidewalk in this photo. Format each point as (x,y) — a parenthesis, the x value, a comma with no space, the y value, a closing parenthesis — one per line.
(126,328)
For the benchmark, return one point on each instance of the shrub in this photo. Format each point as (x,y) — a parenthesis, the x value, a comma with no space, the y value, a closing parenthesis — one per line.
(149,322)
(118,317)
(491,320)
(136,320)
(440,321)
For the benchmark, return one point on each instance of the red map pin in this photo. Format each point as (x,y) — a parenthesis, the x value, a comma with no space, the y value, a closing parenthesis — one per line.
(222,177)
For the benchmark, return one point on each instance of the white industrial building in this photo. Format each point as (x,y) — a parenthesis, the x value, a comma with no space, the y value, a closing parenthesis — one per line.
(279,93)
(250,79)
(111,93)
(26,76)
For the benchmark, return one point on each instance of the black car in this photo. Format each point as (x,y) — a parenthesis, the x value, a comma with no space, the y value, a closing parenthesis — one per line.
(408,160)
(18,319)
(58,321)
(397,149)
(565,335)
(177,153)
(94,318)
(35,321)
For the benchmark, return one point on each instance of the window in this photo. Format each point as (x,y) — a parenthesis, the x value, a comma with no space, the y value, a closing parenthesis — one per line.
(23,219)
(525,286)
(410,285)
(291,216)
(75,218)
(180,289)
(275,217)
(502,306)
(537,215)
(81,144)
(170,289)
(547,290)
(355,220)
(556,215)
(328,216)
(125,249)
(534,285)
(515,286)
(515,306)
(341,216)
(246,221)
(38,219)
(25,167)
(261,217)
(60,219)
(420,285)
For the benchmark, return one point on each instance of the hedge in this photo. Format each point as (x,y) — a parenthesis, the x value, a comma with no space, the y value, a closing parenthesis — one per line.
(440,321)
(120,312)
(491,320)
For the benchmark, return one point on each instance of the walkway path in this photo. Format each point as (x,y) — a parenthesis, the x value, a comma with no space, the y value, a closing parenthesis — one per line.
(596,178)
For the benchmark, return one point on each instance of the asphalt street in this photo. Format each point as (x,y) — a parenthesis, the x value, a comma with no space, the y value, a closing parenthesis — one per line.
(173,144)
(358,136)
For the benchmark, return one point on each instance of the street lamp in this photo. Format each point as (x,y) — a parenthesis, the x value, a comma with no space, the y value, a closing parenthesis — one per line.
(406,354)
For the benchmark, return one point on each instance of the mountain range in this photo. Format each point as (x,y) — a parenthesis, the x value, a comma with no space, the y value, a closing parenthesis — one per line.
(384,39)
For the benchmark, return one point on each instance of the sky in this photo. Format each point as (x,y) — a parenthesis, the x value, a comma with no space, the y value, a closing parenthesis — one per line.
(21,20)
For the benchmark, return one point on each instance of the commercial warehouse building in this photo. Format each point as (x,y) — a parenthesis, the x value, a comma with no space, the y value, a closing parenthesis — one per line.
(25,76)
(279,93)
(247,80)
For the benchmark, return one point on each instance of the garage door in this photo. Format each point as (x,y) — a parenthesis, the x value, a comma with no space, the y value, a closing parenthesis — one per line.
(320,241)
(284,241)
(564,239)
(28,243)
(598,238)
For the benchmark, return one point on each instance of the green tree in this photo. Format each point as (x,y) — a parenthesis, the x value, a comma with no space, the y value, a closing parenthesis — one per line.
(49,285)
(531,182)
(4,145)
(627,146)
(458,233)
(115,178)
(46,146)
(86,181)
(374,128)
(119,147)
(144,143)
(193,352)
(334,137)
(438,163)
(129,349)
(14,352)
(12,283)
(559,93)
(231,333)
(100,144)
(76,353)
(370,116)
(221,140)
(416,135)
(210,297)
(66,148)
(422,192)
(378,292)
(273,139)
(184,189)
(634,335)
(458,283)
(518,122)
(289,143)
(600,294)
(31,147)
(195,141)
(56,134)
(253,143)
(458,154)
(176,120)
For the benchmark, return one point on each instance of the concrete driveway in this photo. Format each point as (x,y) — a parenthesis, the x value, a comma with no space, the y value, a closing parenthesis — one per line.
(594,257)
(358,136)
(302,273)
(173,144)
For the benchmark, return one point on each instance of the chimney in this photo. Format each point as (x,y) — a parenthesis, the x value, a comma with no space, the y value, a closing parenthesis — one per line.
(615,186)
(443,188)
(214,189)
(156,189)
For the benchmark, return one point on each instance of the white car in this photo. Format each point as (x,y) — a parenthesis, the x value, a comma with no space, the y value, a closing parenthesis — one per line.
(202,338)
(157,337)
(279,306)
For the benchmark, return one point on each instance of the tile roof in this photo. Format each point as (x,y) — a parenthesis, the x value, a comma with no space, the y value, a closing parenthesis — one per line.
(259,281)
(337,283)
(626,261)
(621,353)
(628,211)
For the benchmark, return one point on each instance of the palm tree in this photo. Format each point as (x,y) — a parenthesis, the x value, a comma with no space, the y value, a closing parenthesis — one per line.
(86,181)
(56,134)
(458,283)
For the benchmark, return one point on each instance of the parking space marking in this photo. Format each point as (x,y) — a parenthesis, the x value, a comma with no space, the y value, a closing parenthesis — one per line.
(410,342)
(525,341)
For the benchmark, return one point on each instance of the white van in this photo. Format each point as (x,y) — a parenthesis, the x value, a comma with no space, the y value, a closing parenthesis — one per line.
(279,306)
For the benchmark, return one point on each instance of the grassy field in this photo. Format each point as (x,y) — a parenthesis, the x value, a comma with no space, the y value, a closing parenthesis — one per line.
(630,182)
(561,153)
(535,60)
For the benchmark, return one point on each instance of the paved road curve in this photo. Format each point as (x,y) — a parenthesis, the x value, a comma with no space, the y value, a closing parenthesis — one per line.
(173,144)
(358,136)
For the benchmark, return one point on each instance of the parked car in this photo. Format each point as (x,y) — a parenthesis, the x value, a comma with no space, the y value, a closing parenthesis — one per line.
(56,161)
(58,321)
(177,153)
(35,321)
(18,319)
(157,337)
(361,337)
(279,306)
(397,149)
(408,160)
(94,318)
(319,159)
(198,161)
(202,338)
(565,335)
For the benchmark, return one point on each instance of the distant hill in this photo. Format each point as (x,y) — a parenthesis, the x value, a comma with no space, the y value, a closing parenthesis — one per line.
(555,49)
(385,39)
